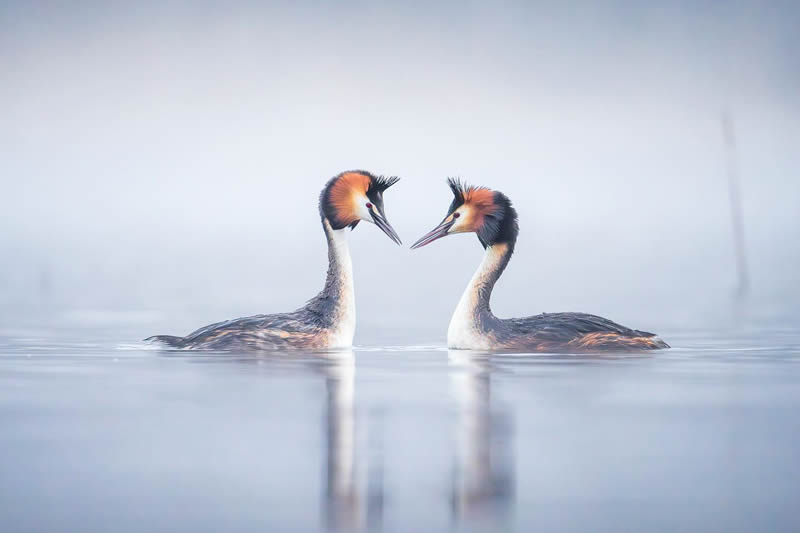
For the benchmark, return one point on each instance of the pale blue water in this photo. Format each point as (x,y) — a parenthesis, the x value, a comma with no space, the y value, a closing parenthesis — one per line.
(98,434)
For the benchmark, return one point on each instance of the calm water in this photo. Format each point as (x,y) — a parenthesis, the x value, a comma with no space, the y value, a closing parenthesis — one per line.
(98,433)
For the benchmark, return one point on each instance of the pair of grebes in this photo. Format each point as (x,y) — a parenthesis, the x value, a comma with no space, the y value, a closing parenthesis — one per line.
(328,321)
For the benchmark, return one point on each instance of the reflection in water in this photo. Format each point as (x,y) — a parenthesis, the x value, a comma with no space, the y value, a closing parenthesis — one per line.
(279,442)
(349,504)
(483,476)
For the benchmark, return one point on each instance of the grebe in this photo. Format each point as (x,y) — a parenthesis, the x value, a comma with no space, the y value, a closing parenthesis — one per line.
(329,319)
(491,216)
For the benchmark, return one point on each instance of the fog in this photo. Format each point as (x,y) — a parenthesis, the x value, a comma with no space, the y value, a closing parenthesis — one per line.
(160,164)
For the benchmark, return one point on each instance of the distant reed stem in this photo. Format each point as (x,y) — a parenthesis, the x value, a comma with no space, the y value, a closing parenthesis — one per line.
(734,196)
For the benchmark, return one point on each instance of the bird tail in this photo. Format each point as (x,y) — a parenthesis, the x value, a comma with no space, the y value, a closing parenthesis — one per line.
(604,340)
(657,342)
(169,340)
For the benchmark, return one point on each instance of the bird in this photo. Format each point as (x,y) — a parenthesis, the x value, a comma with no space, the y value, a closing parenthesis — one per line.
(327,321)
(491,216)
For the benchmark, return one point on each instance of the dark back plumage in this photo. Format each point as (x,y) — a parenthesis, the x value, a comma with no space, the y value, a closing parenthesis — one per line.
(571,332)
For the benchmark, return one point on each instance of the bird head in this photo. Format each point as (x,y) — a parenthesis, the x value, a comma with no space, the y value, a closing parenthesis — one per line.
(354,196)
(479,210)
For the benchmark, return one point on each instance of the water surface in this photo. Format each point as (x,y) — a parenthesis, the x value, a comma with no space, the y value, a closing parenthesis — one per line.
(98,433)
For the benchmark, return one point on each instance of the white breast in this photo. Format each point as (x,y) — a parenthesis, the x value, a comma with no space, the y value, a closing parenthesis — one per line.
(341,335)
(463,333)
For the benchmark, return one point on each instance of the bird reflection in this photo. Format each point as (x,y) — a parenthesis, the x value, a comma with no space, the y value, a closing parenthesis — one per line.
(483,474)
(351,502)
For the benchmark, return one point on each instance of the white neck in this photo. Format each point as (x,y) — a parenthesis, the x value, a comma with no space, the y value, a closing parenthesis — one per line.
(340,272)
(463,332)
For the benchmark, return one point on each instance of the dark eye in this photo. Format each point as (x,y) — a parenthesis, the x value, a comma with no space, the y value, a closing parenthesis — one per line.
(369,205)
(456,215)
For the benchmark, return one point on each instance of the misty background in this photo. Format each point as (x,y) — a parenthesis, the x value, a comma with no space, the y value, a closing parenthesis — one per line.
(160,163)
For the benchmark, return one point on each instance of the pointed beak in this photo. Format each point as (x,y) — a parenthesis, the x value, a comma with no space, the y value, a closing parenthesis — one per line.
(381,222)
(436,233)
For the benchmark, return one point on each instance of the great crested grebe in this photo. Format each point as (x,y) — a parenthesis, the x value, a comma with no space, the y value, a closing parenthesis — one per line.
(329,319)
(491,216)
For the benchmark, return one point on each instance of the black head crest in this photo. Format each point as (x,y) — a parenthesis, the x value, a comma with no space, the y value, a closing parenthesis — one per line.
(336,202)
(500,225)
(377,185)
(495,218)
(462,192)
(381,183)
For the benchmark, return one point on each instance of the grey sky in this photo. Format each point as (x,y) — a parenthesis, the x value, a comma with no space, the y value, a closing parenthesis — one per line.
(167,159)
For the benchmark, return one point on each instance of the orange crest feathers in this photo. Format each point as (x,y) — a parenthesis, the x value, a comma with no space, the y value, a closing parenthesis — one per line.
(344,192)
(478,201)
(488,213)
(340,197)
